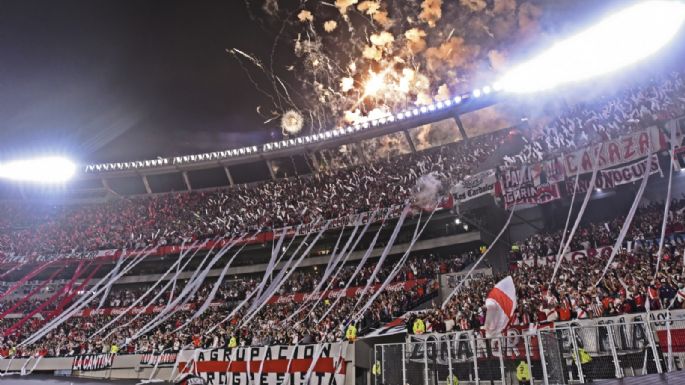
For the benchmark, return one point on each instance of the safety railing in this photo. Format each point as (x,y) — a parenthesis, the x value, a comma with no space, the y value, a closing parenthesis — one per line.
(574,353)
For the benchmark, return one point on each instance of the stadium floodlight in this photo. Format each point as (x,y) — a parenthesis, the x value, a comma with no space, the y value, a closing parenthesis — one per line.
(487,90)
(457,99)
(52,169)
(476,93)
(617,41)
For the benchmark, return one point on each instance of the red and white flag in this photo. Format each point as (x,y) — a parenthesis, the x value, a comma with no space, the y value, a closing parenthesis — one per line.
(500,305)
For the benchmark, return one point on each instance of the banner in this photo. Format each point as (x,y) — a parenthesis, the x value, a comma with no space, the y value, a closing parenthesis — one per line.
(459,342)
(242,366)
(531,195)
(351,292)
(629,332)
(161,359)
(607,179)
(531,185)
(625,149)
(475,186)
(89,362)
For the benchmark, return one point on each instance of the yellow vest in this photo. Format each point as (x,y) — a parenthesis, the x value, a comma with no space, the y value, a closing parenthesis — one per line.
(351,332)
(376,369)
(483,249)
(233,342)
(419,327)
(523,372)
(584,356)
(114,349)
(452,380)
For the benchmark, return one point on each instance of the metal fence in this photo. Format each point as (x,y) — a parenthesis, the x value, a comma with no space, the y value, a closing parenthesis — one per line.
(571,354)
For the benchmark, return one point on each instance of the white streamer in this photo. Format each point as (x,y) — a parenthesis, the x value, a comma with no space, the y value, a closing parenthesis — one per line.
(396,268)
(332,264)
(188,291)
(568,217)
(361,263)
(579,217)
(466,277)
(246,320)
(631,213)
(83,302)
(212,294)
(156,297)
(384,254)
(667,204)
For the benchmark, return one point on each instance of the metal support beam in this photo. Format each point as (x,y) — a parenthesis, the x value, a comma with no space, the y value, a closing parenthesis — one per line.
(229,176)
(411,142)
(460,125)
(105,184)
(269,165)
(187,180)
(147,185)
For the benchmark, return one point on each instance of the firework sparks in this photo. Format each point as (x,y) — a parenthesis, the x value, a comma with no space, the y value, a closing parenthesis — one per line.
(392,55)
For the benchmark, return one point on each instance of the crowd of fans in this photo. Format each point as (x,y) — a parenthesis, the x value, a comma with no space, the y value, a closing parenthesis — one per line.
(631,285)
(133,222)
(27,229)
(310,325)
(659,100)
(646,225)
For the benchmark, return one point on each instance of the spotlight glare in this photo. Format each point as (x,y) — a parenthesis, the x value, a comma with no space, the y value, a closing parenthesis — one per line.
(52,169)
(617,41)
(487,90)
(457,99)
(476,93)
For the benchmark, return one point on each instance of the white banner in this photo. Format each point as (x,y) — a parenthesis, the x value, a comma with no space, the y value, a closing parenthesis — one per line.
(475,186)
(625,149)
(269,365)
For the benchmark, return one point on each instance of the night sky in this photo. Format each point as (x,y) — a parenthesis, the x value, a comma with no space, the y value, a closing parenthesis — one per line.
(116,80)
(130,79)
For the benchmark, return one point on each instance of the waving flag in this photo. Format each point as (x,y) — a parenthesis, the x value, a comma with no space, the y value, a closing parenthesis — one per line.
(500,306)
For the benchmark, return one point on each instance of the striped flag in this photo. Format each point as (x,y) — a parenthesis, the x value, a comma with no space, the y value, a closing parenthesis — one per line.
(500,305)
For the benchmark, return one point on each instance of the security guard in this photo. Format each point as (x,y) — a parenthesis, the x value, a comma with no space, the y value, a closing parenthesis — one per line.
(452,380)
(351,333)
(419,327)
(523,373)
(585,357)
(376,368)
(114,349)
(233,342)
(586,363)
